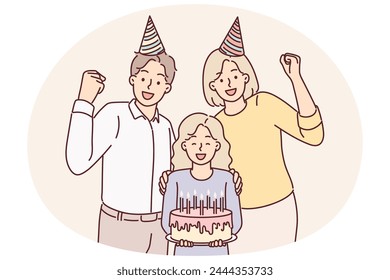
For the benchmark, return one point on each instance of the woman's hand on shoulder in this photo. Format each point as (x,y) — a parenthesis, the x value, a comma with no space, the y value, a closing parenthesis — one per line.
(237,180)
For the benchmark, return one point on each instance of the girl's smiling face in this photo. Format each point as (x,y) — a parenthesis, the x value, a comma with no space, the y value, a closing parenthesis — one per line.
(230,83)
(201,146)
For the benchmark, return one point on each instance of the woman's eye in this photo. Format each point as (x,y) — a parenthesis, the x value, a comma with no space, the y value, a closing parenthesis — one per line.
(193,144)
(143,79)
(207,144)
(221,80)
(235,77)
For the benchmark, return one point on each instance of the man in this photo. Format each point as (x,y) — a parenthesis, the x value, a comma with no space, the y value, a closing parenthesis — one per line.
(134,142)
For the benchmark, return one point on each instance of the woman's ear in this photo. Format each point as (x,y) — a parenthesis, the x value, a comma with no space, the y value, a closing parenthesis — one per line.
(246,78)
(217,146)
(131,80)
(184,145)
(212,85)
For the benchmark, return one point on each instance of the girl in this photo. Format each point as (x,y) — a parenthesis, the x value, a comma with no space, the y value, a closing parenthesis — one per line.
(201,162)
(253,123)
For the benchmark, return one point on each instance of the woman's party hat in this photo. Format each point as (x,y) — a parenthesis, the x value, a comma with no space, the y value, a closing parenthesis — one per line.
(232,44)
(151,43)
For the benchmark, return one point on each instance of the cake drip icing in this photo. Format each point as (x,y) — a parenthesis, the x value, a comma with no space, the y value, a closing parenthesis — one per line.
(207,222)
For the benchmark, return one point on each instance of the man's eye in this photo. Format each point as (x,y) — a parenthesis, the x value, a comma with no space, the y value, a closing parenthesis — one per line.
(158,83)
(235,77)
(143,79)
(221,80)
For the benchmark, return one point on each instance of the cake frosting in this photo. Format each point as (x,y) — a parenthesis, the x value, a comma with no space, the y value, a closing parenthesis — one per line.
(213,224)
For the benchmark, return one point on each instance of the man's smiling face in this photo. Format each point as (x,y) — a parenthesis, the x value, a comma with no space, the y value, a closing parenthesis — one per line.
(149,84)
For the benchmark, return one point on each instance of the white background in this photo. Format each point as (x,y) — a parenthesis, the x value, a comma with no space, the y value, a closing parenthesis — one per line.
(34,244)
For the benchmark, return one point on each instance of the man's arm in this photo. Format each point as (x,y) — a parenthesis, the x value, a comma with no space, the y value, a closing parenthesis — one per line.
(88,136)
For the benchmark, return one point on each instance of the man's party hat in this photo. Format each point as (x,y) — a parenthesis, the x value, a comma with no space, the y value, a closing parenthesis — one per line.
(232,44)
(151,43)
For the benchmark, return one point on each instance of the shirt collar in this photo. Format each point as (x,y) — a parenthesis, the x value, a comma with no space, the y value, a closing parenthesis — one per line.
(136,113)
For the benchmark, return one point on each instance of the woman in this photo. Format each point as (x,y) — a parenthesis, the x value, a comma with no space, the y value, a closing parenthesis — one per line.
(253,123)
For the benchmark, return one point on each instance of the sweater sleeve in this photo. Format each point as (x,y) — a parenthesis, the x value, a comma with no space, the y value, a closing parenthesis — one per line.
(169,202)
(308,129)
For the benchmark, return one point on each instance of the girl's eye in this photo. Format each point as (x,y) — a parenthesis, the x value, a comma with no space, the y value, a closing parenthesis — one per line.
(193,144)
(235,77)
(158,83)
(221,80)
(207,144)
(143,79)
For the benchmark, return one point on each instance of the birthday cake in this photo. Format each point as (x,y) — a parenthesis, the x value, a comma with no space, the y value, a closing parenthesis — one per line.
(201,225)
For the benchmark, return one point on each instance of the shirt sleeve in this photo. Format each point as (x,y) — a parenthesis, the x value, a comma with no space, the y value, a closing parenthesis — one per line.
(308,129)
(89,137)
(233,204)
(169,203)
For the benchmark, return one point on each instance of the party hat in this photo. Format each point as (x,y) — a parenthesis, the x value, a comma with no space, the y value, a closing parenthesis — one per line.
(151,43)
(232,44)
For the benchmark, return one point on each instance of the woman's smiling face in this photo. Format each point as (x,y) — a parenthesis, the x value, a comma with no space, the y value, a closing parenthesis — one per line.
(201,146)
(230,82)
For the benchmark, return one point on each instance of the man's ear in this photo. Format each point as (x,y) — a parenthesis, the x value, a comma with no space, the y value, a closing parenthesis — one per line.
(212,85)
(131,80)
(217,146)
(246,78)
(184,145)
(168,88)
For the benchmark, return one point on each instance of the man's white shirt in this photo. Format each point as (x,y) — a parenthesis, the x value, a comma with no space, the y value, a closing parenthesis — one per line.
(134,152)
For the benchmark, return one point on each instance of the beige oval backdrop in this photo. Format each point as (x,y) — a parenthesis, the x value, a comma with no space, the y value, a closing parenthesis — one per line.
(323,176)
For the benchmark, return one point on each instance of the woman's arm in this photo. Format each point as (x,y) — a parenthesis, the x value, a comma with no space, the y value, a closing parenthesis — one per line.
(233,204)
(292,67)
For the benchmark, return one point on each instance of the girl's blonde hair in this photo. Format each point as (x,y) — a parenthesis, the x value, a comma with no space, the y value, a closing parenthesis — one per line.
(213,65)
(187,128)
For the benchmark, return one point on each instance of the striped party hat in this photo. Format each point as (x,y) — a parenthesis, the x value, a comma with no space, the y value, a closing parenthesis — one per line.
(232,44)
(151,43)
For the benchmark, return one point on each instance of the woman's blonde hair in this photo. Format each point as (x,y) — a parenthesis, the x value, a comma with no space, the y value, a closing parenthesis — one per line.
(213,66)
(187,128)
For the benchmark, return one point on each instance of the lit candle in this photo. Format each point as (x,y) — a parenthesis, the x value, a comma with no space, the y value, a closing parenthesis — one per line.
(215,204)
(222,202)
(194,204)
(188,204)
(208,199)
(181,201)
(201,205)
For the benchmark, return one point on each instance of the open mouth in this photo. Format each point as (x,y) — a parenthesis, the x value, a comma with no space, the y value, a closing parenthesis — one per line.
(231,92)
(200,156)
(147,95)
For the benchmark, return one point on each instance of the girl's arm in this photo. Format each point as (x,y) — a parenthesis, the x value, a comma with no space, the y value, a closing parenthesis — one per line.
(169,203)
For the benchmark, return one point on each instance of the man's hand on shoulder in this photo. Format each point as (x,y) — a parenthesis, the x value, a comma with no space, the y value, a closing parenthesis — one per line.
(164,181)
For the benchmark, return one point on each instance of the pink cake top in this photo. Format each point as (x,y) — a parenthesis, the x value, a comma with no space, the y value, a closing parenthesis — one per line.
(182,220)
